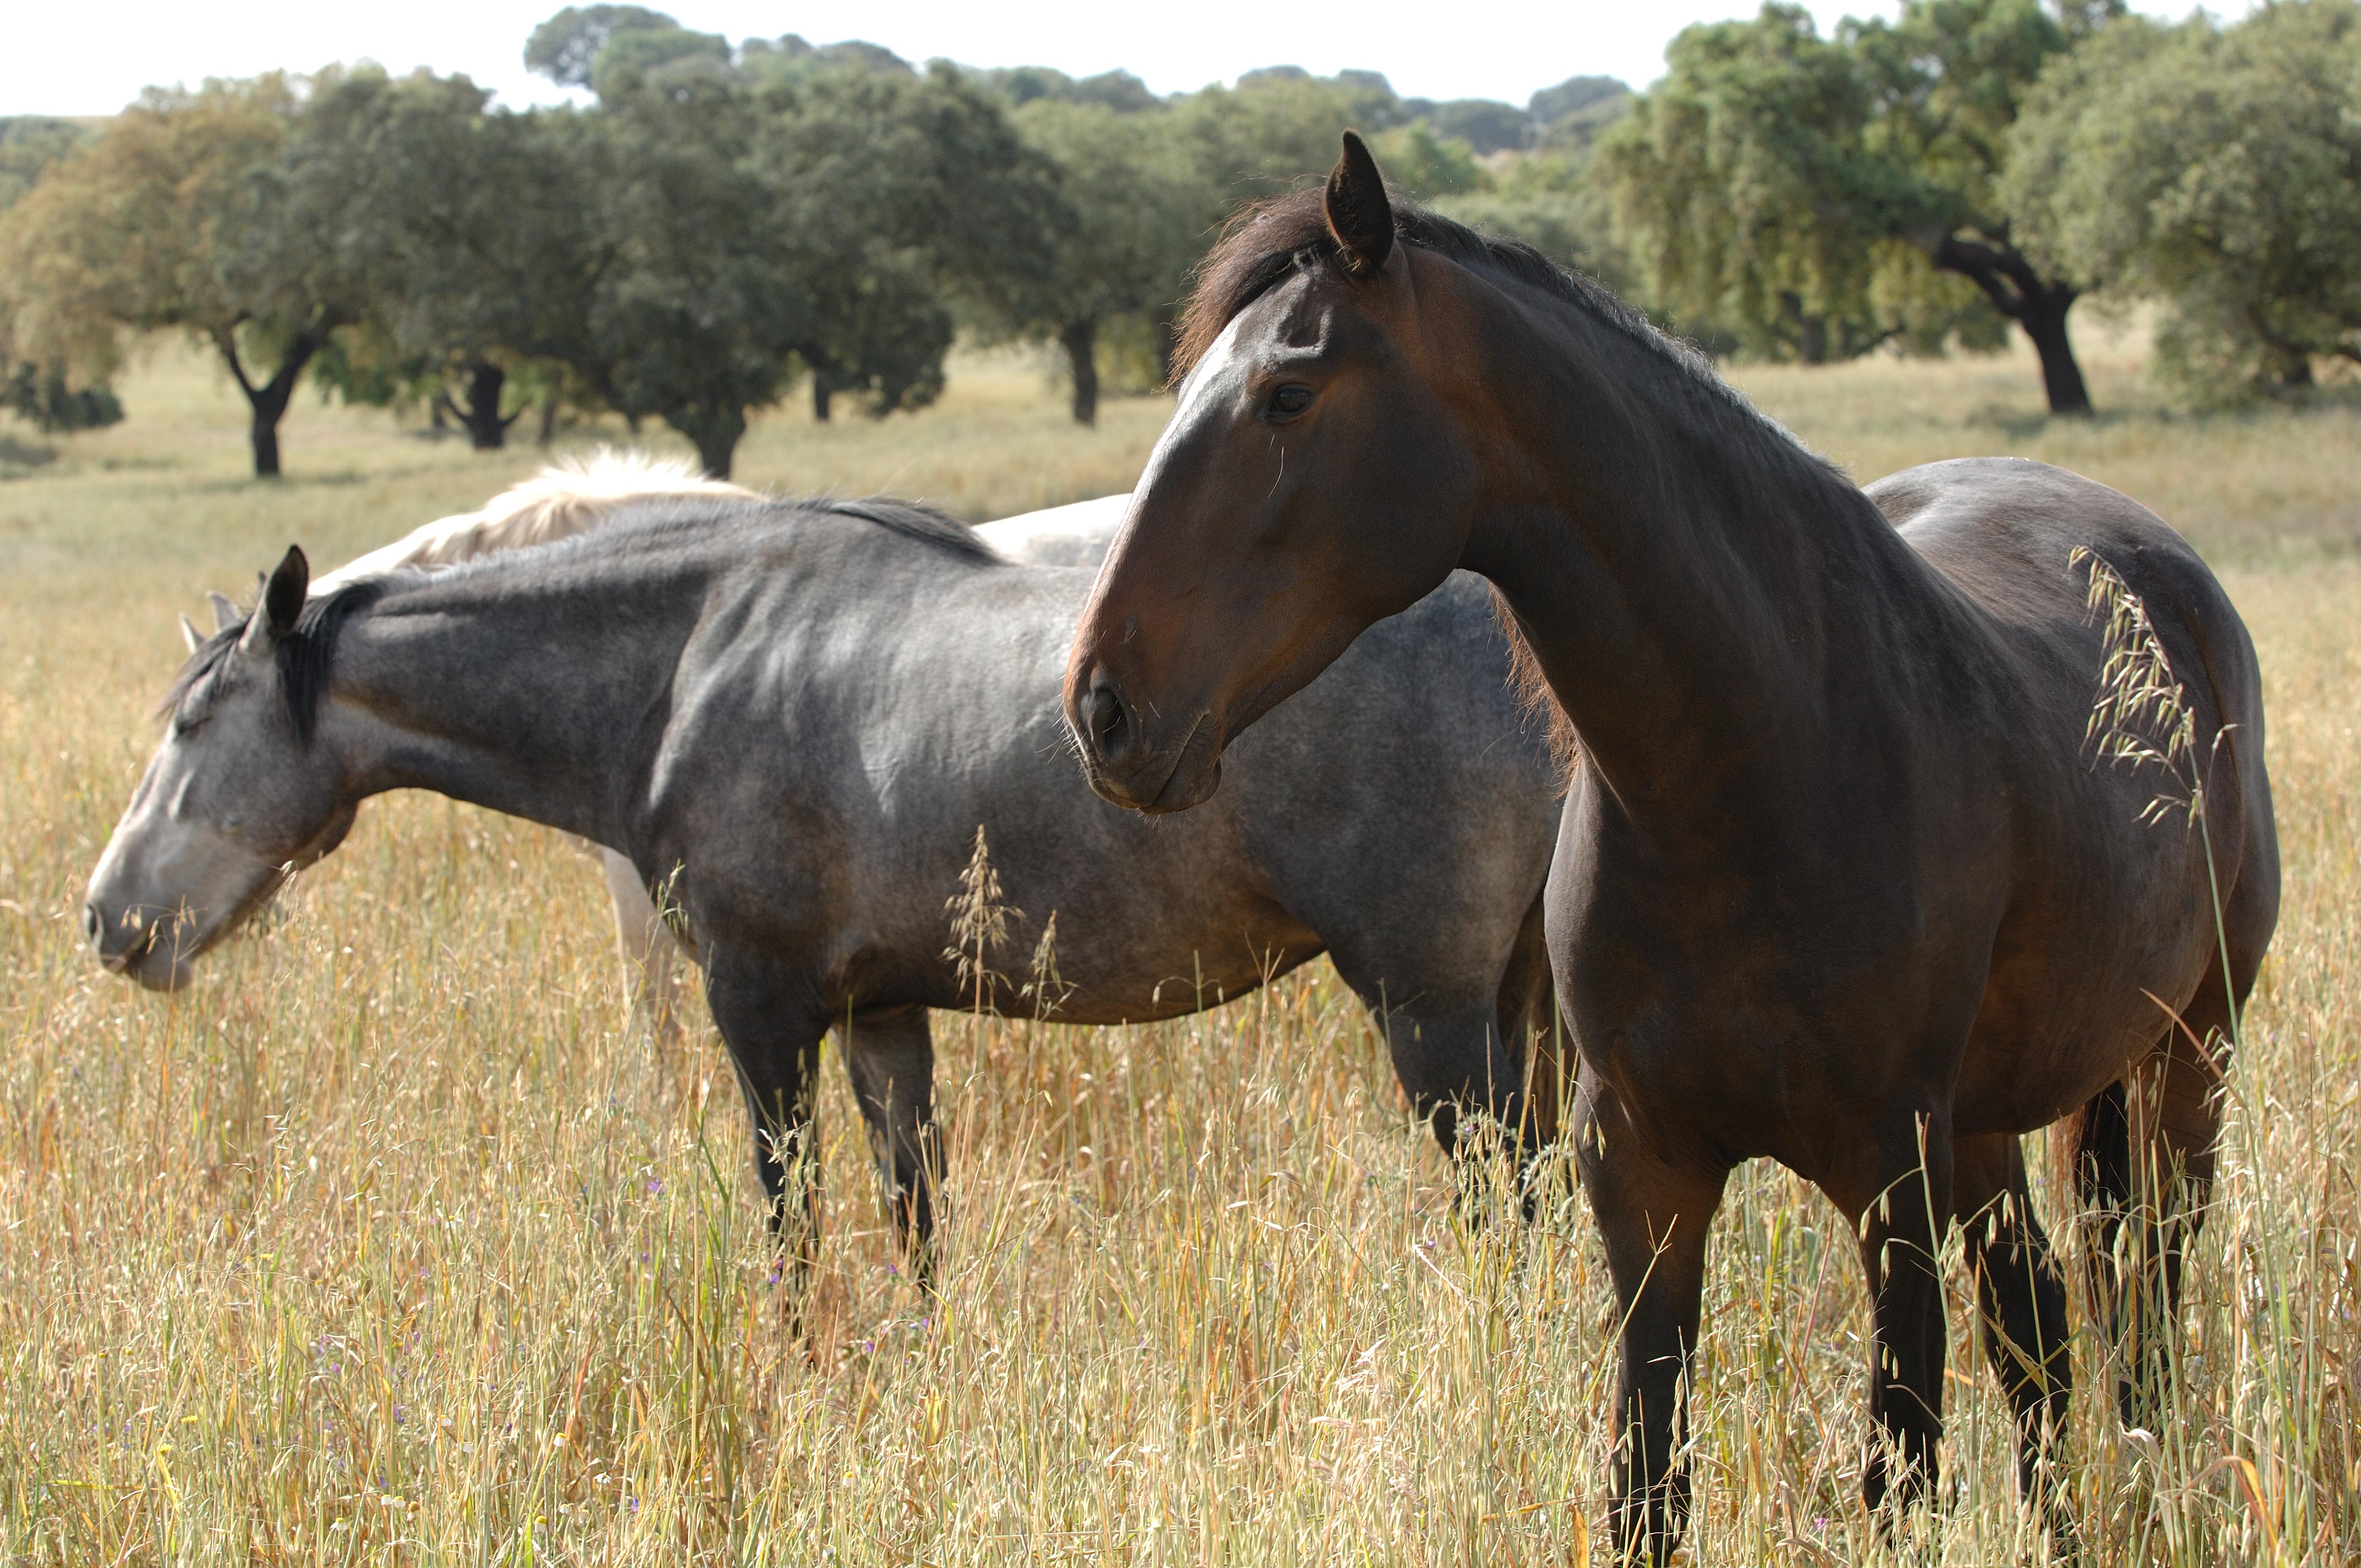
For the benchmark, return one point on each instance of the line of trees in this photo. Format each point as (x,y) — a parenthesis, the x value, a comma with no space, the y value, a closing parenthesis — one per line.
(726,221)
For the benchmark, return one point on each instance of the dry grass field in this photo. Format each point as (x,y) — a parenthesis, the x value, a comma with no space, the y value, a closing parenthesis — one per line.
(389,1242)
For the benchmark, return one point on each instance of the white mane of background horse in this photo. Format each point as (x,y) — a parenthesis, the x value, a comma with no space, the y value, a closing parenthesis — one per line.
(575,495)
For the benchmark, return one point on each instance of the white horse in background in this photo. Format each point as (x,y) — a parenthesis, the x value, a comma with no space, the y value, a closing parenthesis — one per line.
(575,495)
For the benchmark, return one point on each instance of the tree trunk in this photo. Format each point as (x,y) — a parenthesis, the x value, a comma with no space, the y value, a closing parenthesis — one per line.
(1080,339)
(1812,339)
(2023,296)
(438,418)
(1167,342)
(262,431)
(487,431)
(822,394)
(269,402)
(716,438)
(2061,378)
(548,431)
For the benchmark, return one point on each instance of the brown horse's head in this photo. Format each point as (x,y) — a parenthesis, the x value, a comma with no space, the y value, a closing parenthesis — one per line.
(1318,476)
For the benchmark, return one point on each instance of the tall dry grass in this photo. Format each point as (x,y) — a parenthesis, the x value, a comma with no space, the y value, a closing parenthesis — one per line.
(389,1243)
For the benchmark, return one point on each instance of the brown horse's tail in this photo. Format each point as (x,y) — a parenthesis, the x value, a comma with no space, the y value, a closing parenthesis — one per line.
(1528,1015)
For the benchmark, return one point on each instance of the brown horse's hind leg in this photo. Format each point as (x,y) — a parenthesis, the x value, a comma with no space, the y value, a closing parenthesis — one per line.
(2145,1164)
(1654,1213)
(891,1058)
(2023,1302)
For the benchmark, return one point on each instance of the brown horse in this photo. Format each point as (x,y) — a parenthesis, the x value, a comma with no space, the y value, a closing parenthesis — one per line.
(1843,879)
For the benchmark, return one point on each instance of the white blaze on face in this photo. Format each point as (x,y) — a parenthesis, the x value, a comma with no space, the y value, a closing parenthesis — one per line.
(1216,370)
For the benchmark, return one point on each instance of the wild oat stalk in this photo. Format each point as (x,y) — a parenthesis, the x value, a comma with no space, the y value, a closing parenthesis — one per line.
(2142,714)
(978,924)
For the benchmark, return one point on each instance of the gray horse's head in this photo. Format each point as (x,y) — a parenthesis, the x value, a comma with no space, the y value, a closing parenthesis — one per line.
(236,797)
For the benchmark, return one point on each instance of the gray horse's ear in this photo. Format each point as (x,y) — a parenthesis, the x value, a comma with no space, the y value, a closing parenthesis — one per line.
(189,634)
(1359,215)
(224,610)
(283,602)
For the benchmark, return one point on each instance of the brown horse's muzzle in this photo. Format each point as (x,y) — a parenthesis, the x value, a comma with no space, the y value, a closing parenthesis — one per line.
(1130,757)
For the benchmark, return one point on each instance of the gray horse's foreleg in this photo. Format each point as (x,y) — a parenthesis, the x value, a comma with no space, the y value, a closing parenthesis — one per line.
(774,1030)
(1452,1062)
(646,945)
(891,1058)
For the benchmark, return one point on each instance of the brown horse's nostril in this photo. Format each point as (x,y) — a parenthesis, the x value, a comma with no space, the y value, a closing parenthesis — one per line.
(1108,721)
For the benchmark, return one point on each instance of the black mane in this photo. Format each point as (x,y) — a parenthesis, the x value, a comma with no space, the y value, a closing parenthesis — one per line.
(1273,239)
(305,658)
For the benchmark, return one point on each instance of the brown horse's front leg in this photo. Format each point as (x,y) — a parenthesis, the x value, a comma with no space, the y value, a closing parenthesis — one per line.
(1653,1212)
(2023,1298)
(1902,1228)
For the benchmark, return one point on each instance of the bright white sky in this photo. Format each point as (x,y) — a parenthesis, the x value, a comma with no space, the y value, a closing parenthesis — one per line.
(60,58)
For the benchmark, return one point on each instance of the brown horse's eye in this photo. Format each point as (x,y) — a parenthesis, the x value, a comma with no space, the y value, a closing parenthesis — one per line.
(1291,400)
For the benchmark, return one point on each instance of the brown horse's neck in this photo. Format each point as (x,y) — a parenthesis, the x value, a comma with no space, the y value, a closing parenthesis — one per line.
(1694,586)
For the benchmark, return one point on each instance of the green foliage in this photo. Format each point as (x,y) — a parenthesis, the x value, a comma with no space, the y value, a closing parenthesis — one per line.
(179,217)
(1118,90)
(1572,116)
(43,398)
(663,54)
(1740,180)
(2216,170)
(1427,165)
(1810,197)
(1553,202)
(566,49)
(28,144)
(477,228)
(1482,125)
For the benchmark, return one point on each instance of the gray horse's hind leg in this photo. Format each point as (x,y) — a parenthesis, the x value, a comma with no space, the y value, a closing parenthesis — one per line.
(891,1058)
(774,1030)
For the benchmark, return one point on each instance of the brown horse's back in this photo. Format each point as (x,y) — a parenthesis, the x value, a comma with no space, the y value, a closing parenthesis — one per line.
(2005,533)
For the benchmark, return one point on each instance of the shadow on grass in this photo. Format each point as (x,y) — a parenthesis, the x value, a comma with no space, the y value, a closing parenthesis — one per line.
(18,457)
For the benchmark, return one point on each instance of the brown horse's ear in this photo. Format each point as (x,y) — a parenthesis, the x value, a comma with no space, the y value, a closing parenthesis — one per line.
(1358,213)
(283,602)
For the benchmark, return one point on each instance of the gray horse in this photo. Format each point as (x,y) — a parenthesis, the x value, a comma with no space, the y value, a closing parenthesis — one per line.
(801,721)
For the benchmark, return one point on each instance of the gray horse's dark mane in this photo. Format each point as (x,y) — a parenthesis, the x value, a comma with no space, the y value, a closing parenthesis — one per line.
(1274,240)
(306,657)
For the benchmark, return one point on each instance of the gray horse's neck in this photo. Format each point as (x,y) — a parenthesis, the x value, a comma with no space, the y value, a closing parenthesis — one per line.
(1688,577)
(535,687)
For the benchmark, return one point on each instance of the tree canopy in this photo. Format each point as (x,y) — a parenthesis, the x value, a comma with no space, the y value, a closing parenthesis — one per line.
(2216,170)
(179,217)
(1805,194)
